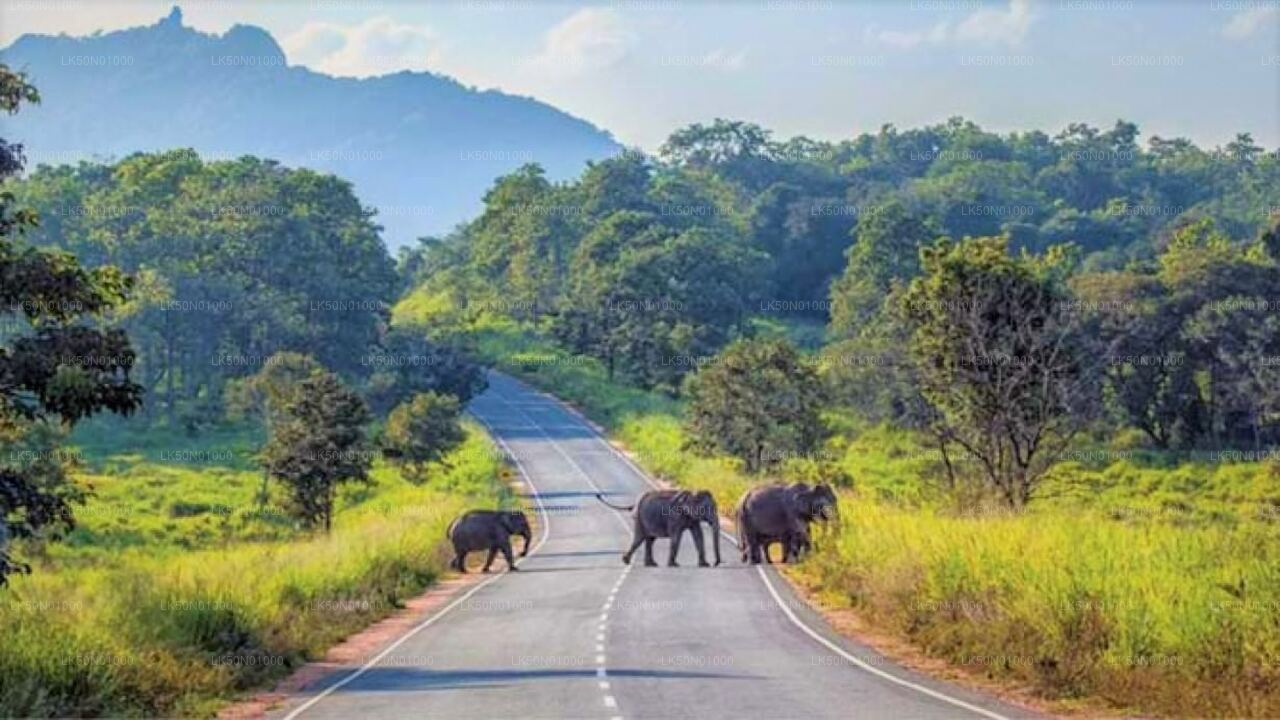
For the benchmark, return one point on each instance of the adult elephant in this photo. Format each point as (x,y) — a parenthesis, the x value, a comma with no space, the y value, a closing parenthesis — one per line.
(668,514)
(781,513)
(488,530)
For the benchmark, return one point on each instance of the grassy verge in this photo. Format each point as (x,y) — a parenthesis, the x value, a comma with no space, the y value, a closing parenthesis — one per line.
(1148,586)
(176,593)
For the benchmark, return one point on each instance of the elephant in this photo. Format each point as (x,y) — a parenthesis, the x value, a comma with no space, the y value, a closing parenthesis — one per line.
(781,513)
(795,541)
(487,530)
(668,514)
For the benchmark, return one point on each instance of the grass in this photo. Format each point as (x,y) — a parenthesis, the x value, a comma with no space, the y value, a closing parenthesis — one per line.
(1136,580)
(178,591)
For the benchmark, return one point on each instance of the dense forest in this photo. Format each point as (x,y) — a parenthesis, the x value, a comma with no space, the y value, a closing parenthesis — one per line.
(233,262)
(1161,255)
(1153,262)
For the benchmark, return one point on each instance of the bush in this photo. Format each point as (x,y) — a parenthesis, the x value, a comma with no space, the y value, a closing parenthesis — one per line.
(421,431)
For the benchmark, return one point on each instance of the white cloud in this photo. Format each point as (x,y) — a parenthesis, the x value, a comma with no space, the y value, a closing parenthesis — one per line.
(906,40)
(990,26)
(1247,22)
(986,26)
(376,46)
(589,39)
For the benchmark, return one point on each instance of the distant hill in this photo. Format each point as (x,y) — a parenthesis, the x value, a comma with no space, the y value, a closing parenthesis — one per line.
(420,148)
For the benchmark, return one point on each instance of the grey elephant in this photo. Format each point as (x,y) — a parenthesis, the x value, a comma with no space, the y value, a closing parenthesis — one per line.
(487,530)
(781,513)
(668,514)
(795,540)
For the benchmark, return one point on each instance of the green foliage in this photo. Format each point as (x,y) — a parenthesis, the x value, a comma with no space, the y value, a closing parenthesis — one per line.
(886,252)
(410,364)
(421,431)
(235,261)
(758,401)
(178,592)
(55,368)
(318,443)
(997,351)
(265,394)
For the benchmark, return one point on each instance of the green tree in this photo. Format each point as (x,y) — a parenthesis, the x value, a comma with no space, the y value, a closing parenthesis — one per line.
(59,369)
(1133,322)
(408,364)
(236,260)
(886,251)
(758,401)
(264,395)
(318,443)
(998,352)
(422,431)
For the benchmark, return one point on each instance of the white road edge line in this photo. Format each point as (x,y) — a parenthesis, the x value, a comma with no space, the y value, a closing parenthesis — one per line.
(778,598)
(867,666)
(546,531)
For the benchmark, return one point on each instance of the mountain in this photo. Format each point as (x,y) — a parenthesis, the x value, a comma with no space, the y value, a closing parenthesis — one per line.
(420,148)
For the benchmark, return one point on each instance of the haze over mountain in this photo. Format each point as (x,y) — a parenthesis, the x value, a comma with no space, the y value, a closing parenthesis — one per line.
(420,148)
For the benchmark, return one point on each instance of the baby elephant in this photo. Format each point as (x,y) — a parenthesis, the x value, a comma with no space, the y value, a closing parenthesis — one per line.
(487,530)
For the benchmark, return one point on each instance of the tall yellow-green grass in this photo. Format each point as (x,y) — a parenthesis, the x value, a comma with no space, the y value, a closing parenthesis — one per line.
(159,629)
(1145,586)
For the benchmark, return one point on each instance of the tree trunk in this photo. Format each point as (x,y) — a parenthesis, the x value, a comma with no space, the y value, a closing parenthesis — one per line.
(946,460)
(328,509)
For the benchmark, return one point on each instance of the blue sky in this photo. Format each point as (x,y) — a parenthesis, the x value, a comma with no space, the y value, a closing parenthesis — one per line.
(641,68)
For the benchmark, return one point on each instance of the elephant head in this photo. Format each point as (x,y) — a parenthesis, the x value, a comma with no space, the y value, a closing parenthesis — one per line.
(813,503)
(516,523)
(823,502)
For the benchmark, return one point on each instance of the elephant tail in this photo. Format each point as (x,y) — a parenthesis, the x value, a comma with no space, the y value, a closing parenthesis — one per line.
(627,508)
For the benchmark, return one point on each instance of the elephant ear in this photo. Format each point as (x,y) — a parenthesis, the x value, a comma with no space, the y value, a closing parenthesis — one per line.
(507,522)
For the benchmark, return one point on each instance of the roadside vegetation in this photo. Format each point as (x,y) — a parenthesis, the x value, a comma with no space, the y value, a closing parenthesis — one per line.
(1142,583)
(177,590)
(1048,377)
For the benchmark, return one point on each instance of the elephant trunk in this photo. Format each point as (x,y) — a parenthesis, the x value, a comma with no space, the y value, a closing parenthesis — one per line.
(527,534)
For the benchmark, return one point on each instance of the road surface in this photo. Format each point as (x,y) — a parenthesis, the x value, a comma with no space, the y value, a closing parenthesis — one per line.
(576,634)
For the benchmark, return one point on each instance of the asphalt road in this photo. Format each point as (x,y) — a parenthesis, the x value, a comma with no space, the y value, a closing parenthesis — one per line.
(576,634)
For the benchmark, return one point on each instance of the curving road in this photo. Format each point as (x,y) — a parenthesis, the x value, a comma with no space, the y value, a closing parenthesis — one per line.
(576,634)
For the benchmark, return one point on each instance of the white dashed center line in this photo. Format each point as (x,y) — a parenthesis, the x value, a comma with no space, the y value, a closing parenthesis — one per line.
(601,670)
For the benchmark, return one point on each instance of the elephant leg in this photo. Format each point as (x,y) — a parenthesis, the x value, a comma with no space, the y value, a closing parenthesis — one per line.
(460,562)
(753,548)
(626,556)
(505,547)
(696,531)
(648,552)
(675,547)
(493,552)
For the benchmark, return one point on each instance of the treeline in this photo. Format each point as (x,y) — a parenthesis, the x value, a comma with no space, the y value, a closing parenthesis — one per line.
(653,264)
(1006,359)
(1006,295)
(232,263)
